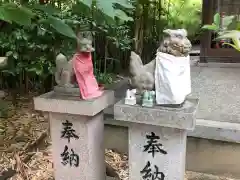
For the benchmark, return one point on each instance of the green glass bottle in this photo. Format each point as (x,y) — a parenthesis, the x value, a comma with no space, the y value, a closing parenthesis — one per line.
(148,99)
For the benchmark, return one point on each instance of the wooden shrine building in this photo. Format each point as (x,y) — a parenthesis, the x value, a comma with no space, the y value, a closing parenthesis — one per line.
(211,51)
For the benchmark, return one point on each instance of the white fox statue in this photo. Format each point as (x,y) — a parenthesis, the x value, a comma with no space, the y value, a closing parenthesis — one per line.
(175,43)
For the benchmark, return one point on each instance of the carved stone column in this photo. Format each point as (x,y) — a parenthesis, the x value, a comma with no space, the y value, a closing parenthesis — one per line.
(157,139)
(77,132)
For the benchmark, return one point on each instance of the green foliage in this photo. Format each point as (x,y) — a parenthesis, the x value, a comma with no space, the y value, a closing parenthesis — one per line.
(217,19)
(36,33)
(119,36)
(228,30)
(109,8)
(104,78)
(212,27)
(215,26)
(32,48)
(11,12)
(233,35)
(184,14)
(22,15)
(61,27)
(228,22)
(23,52)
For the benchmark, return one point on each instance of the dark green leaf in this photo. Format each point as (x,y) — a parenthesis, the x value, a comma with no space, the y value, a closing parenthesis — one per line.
(217,19)
(125,4)
(227,20)
(82,9)
(8,72)
(15,55)
(38,70)
(238,26)
(3,16)
(106,7)
(61,27)
(87,2)
(48,8)
(122,15)
(229,35)
(212,27)
(18,14)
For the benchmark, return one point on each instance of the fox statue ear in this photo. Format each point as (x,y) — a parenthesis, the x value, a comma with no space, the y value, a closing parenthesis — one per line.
(89,35)
(167,31)
(184,32)
(85,34)
(79,35)
(174,32)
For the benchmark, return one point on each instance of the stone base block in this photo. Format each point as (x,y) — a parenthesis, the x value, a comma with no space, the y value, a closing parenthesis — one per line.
(67,91)
(182,118)
(76,128)
(156,152)
(78,149)
(54,102)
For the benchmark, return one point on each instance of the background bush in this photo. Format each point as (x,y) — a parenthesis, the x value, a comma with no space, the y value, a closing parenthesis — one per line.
(46,28)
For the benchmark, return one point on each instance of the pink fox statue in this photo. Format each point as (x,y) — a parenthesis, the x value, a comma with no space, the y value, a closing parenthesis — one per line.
(79,69)
(83,67)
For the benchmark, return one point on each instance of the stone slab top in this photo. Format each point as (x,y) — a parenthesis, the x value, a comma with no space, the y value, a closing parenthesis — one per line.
(180,118)
(53,102)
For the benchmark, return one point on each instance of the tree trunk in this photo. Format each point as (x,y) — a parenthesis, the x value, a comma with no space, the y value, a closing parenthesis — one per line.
(138,36)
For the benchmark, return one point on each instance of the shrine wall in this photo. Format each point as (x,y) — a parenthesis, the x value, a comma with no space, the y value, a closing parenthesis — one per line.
(229,7)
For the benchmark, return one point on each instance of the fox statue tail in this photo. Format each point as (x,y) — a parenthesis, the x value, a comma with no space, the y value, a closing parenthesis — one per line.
(136,65)
(61,61)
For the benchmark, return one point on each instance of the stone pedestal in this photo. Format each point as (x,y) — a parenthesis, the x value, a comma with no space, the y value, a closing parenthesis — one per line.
(67,91)
(157,139)
(77,131)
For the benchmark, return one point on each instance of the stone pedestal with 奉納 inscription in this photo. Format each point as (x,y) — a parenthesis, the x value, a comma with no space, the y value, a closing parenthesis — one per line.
(77,131)
(157,139)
